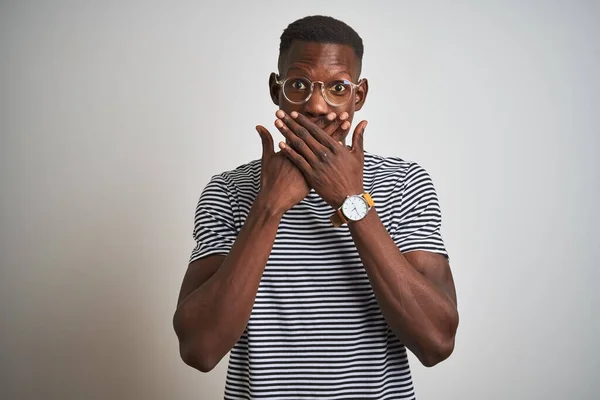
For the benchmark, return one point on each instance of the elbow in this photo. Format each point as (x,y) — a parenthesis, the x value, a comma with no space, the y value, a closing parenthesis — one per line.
(441,346)
(436,356)
(200,360)
(191,351)
(437,353)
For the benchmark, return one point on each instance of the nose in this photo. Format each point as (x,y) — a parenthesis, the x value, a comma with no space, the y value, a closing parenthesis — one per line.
(316,106)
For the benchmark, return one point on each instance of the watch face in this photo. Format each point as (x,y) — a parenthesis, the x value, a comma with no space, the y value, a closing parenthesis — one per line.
(355,208)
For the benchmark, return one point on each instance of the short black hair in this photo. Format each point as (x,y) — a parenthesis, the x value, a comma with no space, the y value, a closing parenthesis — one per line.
(320,29)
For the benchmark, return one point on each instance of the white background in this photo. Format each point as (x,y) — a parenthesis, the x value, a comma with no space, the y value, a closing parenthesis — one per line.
(114,115)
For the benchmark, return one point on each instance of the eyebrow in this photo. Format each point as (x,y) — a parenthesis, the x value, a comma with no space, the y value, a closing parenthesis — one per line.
(306,71)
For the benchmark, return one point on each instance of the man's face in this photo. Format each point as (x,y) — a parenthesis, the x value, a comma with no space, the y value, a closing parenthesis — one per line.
(319,62)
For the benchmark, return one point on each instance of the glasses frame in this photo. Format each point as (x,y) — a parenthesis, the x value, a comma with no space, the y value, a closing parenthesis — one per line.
(353,87)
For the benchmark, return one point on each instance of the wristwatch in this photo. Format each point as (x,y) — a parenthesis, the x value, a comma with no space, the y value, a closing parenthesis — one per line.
(354,208)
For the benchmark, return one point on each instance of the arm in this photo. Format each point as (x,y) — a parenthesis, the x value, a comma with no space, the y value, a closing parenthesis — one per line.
(218,292)
(213,311)
(415,291)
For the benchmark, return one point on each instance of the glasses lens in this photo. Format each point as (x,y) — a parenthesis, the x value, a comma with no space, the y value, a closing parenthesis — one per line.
(338,92)
(297,90)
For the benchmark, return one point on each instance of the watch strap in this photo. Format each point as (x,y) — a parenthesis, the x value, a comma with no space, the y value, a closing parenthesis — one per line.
(369,199)
(338,219)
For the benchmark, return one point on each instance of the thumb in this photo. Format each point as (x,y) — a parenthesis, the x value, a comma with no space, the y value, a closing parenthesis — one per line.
(357,136)
(267,141)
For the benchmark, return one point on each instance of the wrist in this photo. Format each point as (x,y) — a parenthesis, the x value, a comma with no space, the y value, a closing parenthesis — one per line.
(339,199)
(354,208)
(264,205)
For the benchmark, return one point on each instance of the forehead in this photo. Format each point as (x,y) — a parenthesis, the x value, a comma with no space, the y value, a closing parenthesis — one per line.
(320,59)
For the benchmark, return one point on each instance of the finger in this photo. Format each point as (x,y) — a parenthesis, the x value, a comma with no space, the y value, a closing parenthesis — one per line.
(333,124)
(316,132)
(296,158)
(357,137)
(301,133)
(267,141)
(296,143)
(342,132)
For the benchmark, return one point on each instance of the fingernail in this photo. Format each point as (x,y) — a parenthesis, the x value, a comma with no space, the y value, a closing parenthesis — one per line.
(280,114)
(281,145)
(279,123)
(346,125)
(344,115)
(331,116)
(294,114)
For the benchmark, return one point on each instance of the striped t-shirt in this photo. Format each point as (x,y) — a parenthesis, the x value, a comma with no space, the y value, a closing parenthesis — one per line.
(316,330)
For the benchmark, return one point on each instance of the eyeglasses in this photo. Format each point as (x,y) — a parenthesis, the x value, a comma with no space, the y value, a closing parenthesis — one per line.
(297,90)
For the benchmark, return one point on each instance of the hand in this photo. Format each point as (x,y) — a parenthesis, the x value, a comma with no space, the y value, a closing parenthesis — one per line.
(282,185)
(333,170)
(338,128)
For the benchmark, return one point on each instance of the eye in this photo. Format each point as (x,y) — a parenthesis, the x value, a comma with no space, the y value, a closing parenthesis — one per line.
(298,84)
(338,87)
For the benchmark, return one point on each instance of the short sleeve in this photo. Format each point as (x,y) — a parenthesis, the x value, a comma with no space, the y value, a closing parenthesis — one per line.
(417,218)
(214,224)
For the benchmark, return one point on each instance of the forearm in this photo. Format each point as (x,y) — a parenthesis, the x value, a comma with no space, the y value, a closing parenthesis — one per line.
(212,318)
(421,314)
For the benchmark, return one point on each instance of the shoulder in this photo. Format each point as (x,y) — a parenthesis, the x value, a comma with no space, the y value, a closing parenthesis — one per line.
(245,177)
(230,192)
(392,170)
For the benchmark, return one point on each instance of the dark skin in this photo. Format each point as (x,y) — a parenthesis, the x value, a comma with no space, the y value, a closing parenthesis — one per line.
(415,290)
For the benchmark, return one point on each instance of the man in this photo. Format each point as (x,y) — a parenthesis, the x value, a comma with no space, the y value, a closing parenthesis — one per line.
(319,264)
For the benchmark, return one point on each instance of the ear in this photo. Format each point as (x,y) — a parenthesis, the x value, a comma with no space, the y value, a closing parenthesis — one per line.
(361,94)
(274,88)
